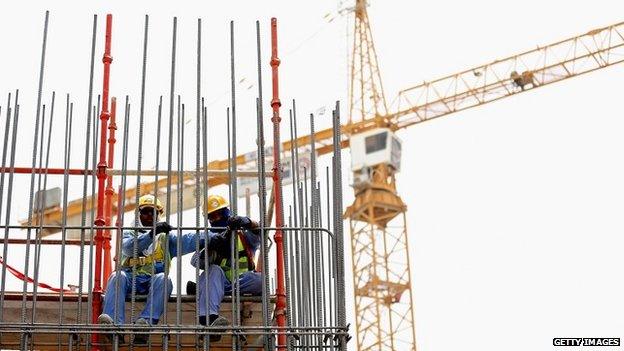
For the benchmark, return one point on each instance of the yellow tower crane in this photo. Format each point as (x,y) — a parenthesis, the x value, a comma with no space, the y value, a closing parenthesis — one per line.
(380,256)
(384,312)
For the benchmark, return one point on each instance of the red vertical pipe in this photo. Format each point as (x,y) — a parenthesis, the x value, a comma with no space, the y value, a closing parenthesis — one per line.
(280,303)
(108,207)
(101,175)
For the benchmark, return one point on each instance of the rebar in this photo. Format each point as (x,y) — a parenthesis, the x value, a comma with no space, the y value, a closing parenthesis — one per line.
(91,297)
(179,234)
(38,235)
(86,166)
(292,300)
(305,275)
(234,189)
(205,201)
(170,149)
(330,250)
(156,167)
(9,193)
(121,214)
(68,135)
(24,338)
(198,187)
(261,163)
(135,244)
(338,224)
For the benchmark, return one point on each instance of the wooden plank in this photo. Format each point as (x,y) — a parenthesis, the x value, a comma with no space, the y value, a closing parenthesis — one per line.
(47,312)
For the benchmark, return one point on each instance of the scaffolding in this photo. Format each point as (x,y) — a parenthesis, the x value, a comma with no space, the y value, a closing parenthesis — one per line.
(304,262)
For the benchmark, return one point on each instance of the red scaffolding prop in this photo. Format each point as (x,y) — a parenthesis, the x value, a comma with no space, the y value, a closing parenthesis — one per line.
(101,175)
(280,303)
(108,208)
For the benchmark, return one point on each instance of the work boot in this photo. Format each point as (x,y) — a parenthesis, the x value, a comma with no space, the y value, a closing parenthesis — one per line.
(214,320)
(140,338)
(217,321)
(105,319)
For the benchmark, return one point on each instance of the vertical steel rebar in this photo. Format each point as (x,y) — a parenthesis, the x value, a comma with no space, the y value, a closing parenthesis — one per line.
(264,248)
(4,151)
(293,166)
(41,201)
(234,204)
(247,203)
(234,192)
(180,219)
(68,135)
(338,224)
(316,206)
(156,168)
(170,150)
(135,233)
(302,267)
(229,155)
(322,296)
(231,200)
(205,201)
(91,315)
(9,197)
(121,215)
(86,166)
(305,242)
(299,222)
(140,155)
(5,246)
(330,262)
(198,187)
(24,337)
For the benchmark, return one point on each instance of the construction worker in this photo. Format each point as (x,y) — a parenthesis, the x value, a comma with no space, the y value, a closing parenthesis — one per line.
(219,273)
(150,264)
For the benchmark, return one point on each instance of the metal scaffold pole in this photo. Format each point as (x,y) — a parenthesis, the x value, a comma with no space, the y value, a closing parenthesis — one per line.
(101,176)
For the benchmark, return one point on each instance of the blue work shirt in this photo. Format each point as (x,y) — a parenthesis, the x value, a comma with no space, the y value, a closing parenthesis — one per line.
(145,246)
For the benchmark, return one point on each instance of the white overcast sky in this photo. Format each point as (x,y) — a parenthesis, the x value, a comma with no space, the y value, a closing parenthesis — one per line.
(514,208)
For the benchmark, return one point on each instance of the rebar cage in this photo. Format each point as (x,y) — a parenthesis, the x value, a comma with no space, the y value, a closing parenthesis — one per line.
(302,299)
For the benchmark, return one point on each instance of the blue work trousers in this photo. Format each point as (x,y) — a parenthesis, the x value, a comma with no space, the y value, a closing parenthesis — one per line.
(219,285)
(152,286)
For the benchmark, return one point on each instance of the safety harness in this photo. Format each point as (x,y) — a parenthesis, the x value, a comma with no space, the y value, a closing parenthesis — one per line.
(245,258)
(145,264)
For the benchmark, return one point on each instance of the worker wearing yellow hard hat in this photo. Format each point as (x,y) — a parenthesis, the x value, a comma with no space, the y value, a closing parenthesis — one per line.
(216,261)
(148,266)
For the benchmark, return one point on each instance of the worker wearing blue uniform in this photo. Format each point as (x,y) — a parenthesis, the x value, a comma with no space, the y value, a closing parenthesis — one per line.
(150,263)
(219,273)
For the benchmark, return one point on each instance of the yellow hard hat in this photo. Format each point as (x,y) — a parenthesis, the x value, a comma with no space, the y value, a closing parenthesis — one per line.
(215,202)
(151,201)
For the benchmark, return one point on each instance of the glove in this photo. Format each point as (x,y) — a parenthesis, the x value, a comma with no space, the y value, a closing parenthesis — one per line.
(220,242)
(239,222)
(161,227)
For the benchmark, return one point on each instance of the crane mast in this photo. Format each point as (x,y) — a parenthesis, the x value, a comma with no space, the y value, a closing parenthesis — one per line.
(384,312)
